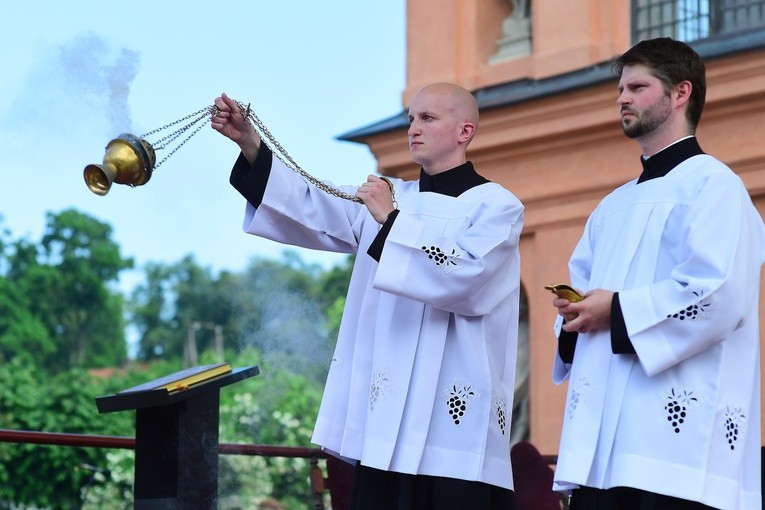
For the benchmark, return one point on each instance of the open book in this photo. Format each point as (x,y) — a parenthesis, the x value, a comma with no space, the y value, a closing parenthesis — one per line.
(183,379)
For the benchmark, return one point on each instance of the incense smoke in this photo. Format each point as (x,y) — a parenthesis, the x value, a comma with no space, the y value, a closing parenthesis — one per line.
(81,88)
(292,330)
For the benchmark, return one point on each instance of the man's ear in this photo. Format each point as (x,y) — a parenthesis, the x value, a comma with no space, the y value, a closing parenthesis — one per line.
(682,92)
(467,132)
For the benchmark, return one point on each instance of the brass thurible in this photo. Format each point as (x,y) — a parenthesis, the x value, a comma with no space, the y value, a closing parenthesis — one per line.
(128,160)
(131,159)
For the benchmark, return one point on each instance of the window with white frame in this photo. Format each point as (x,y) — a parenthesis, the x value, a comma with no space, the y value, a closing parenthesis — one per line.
(691,20)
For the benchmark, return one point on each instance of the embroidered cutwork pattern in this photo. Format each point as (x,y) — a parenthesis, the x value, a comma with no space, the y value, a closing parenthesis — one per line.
(734,420)
(680,400)
(577,395)
(700,310)
(381,381)
(500,406)
(458,396)
(446,261)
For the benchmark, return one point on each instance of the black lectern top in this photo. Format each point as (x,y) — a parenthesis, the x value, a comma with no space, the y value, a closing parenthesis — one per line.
(130,399)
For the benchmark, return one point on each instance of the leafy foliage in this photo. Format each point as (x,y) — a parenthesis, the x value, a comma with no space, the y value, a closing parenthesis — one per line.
(275,408)
(57,295)
(22,334)
(47,476)
(277,307)
(63,342)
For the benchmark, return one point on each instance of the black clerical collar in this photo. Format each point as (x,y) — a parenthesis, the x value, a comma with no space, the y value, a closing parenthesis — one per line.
(666,159)
(452,182)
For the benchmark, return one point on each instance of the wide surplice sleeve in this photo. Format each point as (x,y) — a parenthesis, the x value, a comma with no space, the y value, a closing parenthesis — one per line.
(294,212)
(467,264)
(704,289)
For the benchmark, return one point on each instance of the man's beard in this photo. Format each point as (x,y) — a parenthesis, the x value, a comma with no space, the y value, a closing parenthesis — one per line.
(649,120)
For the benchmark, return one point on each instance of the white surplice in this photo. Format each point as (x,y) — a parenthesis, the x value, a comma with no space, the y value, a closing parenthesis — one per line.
(680,417)
(423,373)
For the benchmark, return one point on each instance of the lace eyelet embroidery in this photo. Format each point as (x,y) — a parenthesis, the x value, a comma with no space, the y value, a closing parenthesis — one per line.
(735,418)
(458,397)
(577,395)
(381,381)
(700,310)
(678,404)
(448,262)
(500,406)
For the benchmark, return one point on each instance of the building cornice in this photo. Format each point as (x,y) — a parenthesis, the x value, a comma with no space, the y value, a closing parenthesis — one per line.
(524,90)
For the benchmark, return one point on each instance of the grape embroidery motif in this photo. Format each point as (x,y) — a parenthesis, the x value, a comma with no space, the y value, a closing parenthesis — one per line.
(500,404)
(458,397)
(677,407)
(381,381)
(576,395)
(734,419)
(448,262)
(696,311)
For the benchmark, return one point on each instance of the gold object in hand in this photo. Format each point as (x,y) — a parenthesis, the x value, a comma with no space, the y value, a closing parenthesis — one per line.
(565,292)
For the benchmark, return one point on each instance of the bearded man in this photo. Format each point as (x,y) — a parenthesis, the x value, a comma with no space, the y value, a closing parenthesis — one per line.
(662,354)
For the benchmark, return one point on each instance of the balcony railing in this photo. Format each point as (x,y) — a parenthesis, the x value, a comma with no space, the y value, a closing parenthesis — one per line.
(320,481)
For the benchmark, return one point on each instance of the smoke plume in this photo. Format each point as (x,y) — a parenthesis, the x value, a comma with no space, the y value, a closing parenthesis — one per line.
(79,88)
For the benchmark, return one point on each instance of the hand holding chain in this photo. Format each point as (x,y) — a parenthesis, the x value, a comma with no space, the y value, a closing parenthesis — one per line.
(282,154)
(130,159)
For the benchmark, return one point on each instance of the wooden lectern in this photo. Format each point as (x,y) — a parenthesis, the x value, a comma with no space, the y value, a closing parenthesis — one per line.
(176,437)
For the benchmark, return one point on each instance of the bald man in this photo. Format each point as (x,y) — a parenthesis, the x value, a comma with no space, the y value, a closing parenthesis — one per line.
(420,387)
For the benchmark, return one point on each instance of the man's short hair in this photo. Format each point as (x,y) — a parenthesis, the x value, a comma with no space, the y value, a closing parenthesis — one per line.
(672,62)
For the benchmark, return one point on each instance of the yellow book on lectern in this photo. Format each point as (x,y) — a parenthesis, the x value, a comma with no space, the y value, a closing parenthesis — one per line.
(183,379)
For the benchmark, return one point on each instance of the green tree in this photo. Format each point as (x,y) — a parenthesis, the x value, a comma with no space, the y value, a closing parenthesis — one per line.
(66,281)
(151,313)
(22,334)
(48,476)
(81,248)
(276,307)
(5,236)
(202,303)
(59,312)
(177,300)
(277,407)
(276,312)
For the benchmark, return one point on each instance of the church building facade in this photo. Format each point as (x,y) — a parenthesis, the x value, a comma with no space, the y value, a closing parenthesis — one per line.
(550,129)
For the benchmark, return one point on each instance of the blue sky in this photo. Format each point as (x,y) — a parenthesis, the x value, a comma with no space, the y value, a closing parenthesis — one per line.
(77,74)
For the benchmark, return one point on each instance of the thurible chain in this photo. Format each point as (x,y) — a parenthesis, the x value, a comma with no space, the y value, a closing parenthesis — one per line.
(209,111)
(282,154)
